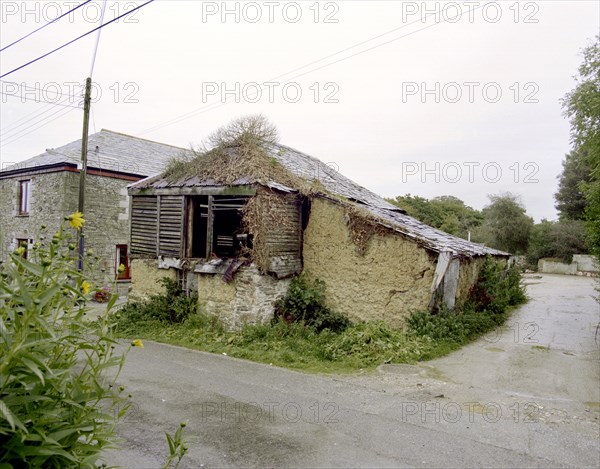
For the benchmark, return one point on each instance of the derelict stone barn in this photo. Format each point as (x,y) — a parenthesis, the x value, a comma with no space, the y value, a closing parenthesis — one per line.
(44,189)
(236,228)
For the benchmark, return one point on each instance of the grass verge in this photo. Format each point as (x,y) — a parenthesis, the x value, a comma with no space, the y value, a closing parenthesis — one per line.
(361,346)
(306,335)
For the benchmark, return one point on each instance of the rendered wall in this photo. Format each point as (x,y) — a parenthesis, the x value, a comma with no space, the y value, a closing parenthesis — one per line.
(469,270)
(586,263)
(389,281)
(145,278)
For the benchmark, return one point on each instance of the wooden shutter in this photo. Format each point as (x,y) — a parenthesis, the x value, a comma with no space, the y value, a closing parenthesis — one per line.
(143,226)
(284,239)
(170,218)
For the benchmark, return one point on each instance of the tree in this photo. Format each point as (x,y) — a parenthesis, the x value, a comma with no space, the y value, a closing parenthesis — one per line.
(506,225)
(419,208)
(558,240)
(459,218)
(446,212)
(570,197)
(582,107)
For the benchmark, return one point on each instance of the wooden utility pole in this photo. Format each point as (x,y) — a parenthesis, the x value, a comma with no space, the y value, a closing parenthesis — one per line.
(82,172)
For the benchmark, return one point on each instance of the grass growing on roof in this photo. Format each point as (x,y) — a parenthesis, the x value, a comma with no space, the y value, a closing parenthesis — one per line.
(238,150)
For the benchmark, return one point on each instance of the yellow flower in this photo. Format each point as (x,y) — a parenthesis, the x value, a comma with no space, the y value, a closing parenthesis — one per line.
(20,251)
(121,268)
(85,287)
(76,220)
(137,343)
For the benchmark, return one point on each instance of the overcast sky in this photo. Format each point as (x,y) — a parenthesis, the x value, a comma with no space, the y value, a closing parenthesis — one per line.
(426,98)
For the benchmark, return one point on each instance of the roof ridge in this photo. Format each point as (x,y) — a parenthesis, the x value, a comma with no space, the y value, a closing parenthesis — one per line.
(141,138)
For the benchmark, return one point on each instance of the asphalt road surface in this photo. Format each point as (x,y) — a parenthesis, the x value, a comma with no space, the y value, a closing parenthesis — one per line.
(527,395)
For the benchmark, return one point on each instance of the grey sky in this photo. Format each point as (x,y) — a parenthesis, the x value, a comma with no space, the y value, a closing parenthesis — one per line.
(415,110)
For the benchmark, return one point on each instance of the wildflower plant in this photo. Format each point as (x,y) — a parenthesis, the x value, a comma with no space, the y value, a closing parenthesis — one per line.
(58,400)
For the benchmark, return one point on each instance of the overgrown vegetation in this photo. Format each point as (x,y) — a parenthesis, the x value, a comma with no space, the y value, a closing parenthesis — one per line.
(238,150)
(496,291)
(173,306)
(307,335)
(305,303)
(362,225)
(58,400)
(558,240)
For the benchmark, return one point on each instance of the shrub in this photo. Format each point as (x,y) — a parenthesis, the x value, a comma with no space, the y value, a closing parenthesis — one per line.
(452,327)
(497,288)
(58,405)
(373,342)
(305,302)
(172,306)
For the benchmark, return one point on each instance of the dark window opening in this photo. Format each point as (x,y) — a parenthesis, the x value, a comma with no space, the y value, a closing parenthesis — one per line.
(305,212)
(122,268)
(199,208)
(228,229)
(24,196)
(217,226)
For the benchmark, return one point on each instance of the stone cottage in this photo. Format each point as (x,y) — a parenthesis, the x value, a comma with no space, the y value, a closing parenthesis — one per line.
(237,224)
(45,188)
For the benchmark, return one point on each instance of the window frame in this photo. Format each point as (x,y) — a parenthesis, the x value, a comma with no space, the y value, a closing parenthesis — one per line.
(24,197)
(126,274)
(213,205)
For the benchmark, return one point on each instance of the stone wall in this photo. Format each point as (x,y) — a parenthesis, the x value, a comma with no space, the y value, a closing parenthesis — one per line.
(389,281)
(54,196)
(47,206)
(249,299)
(107,219)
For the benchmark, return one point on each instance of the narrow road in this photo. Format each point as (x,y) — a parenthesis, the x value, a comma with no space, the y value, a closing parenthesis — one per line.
(527,395)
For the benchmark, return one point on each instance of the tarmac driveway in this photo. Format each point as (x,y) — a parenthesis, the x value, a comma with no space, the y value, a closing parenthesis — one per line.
(527,395)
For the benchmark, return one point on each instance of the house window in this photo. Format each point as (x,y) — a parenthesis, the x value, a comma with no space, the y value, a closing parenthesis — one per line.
(23,243)
(24,196)
(122,259)
(216,224)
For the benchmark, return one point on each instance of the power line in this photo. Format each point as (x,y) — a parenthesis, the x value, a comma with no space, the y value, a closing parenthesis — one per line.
(15,125)
(38,127)
(215,105)
(11,133)
(47,24)
(57,93)
(35,111)
(98,38)
(77,38)
(39,100)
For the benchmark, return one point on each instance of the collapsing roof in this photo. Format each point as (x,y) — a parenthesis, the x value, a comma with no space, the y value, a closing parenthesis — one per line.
(108,151)
(329,183)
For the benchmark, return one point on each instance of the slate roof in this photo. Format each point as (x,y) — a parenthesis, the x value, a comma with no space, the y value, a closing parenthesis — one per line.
(108,150)
(335,183)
